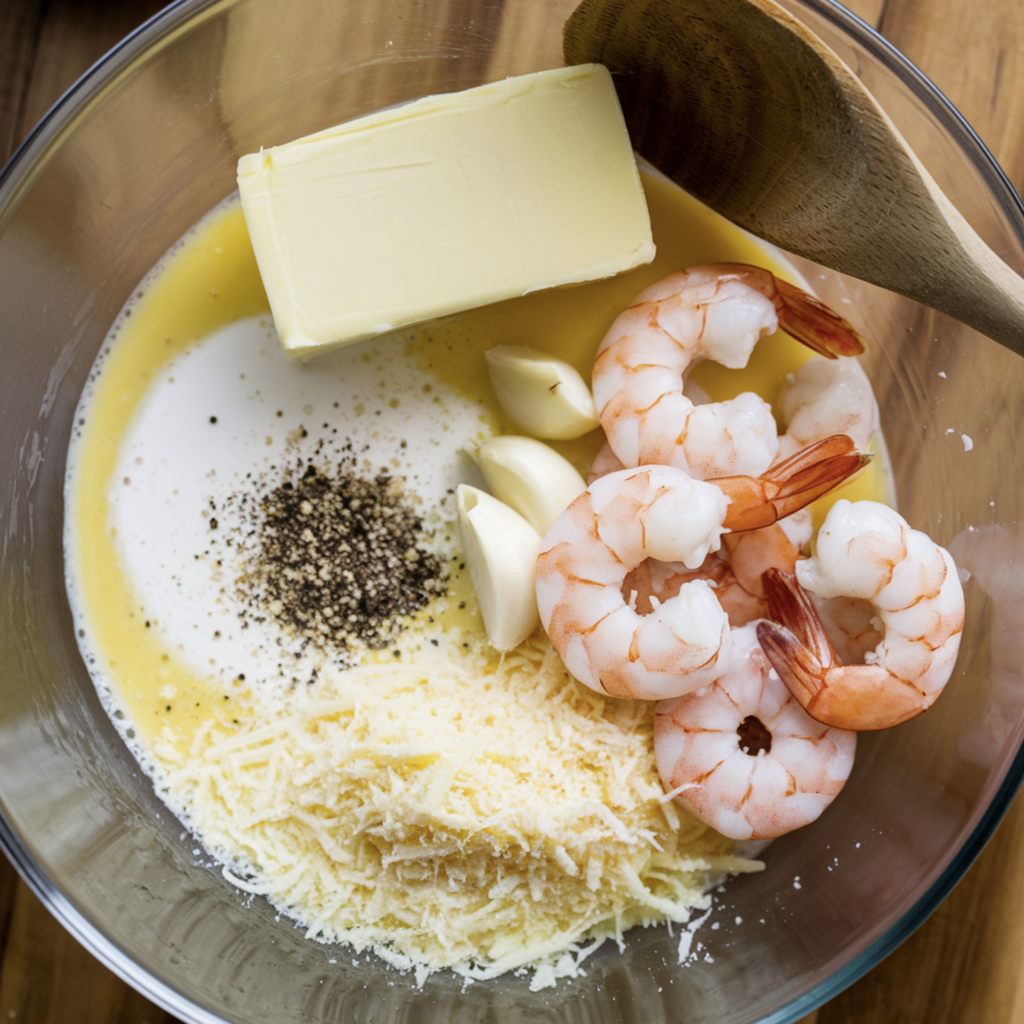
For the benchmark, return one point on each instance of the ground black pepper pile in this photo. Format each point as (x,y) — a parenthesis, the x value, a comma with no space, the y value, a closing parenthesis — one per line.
(337,557)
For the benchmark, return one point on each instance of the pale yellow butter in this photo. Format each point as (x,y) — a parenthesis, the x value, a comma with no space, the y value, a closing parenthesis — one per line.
(447,203)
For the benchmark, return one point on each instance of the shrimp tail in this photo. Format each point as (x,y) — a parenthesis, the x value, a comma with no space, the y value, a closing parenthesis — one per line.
(813,323)
(786,488)
(858,697)
(790,605)
(812,472)
(797,666)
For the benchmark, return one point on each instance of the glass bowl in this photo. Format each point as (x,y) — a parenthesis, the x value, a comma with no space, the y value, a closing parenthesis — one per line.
(136,153)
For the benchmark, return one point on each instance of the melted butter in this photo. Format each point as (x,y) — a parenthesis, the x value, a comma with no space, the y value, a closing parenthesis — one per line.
(211,280)
(571,321)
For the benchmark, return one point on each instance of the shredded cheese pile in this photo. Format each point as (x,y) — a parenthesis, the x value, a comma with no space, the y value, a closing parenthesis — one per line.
(454,814)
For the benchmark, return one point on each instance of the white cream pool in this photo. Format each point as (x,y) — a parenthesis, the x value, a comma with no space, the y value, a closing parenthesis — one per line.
(246,410)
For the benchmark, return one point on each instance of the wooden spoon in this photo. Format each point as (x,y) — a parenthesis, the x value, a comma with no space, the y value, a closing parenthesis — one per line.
(752,113)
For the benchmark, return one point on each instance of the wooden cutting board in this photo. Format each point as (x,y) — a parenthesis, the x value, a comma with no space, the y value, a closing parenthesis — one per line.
(963,965)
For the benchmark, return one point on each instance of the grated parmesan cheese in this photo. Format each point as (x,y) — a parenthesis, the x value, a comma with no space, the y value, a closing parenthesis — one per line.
(451,814)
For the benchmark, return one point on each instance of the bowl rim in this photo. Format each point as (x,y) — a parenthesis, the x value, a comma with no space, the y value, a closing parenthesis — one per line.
(84,89)
(16,174)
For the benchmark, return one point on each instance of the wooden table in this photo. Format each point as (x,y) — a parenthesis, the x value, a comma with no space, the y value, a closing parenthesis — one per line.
(963,966)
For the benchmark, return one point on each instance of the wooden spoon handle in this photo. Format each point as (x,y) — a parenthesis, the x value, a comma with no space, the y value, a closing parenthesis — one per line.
(745,108)
(957,274)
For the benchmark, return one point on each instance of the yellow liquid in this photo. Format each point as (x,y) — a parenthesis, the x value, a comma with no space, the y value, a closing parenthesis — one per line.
(210,281)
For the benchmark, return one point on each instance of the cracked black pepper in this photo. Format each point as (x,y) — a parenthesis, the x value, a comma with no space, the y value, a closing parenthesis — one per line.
(338,557)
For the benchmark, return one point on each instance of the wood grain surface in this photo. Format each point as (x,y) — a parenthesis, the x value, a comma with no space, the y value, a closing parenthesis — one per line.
(964,965)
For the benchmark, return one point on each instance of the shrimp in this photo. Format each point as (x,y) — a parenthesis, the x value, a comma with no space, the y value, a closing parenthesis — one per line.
(866,550)
(734,571)
(606,461)
(825,397)
(747,556)
(717,312)
(660,512)
(743,756)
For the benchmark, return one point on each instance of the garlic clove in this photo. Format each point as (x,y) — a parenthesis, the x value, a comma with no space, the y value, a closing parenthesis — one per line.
(501,550)
(546,396)
(530,476)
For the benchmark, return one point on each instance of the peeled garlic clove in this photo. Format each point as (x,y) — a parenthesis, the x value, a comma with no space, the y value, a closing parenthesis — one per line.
(501,550)
(544,395)
(530,476)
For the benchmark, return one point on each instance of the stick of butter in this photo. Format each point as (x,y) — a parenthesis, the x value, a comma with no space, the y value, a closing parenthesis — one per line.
(447,203)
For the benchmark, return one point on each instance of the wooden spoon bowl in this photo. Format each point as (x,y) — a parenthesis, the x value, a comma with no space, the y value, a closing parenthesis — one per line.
(748,110)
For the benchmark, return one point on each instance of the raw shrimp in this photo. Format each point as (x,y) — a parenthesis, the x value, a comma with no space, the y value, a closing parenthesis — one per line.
(660,512)
(712,312)
(743,756)
(825,397)
(866,550)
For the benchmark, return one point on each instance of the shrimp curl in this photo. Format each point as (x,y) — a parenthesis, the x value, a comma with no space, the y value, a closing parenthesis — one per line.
(711,312)
(743,756)
(660,512)
(867,551)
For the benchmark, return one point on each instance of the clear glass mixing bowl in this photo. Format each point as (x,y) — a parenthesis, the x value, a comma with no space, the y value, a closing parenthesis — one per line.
(144,145)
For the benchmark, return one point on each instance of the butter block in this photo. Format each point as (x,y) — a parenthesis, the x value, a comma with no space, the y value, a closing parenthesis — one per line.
(447,203)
